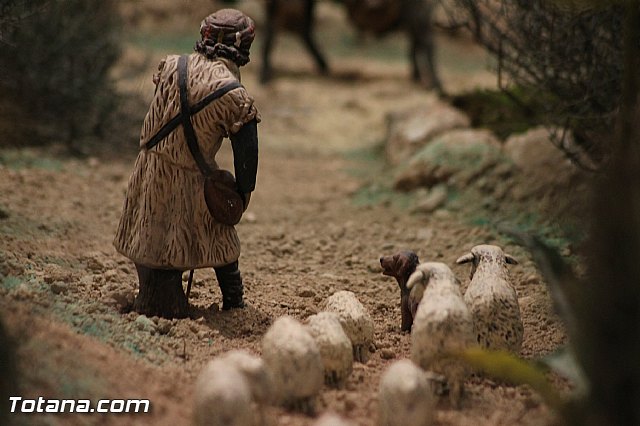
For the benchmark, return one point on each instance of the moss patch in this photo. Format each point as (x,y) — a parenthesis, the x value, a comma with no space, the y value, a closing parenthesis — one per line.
(502,112)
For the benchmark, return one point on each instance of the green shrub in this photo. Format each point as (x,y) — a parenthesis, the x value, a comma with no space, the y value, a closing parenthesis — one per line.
(55,58)
(570,55)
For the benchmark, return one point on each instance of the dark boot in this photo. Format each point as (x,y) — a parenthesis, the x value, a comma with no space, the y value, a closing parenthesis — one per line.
(160,293)
(230,283)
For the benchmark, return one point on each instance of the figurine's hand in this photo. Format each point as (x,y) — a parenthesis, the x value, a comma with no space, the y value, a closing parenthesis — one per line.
(246,197)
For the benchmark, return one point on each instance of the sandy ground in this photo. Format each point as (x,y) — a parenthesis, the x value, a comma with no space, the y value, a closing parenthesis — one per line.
(64,289)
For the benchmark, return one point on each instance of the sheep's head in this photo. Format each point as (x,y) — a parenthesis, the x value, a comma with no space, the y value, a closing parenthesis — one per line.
(428,271)
(486,253)
(400,266)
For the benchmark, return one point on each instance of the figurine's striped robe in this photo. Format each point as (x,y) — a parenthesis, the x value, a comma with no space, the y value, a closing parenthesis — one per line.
(165,222)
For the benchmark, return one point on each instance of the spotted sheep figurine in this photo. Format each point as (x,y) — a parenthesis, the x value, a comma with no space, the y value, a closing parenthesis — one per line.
(405,396)
(400,266)
(443,326)
(492,299)
(355,320)
(334,345)
(294,361)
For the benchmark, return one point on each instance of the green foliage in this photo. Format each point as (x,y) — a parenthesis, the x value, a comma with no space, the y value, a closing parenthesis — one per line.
(459,157)
(570,52)
(503,112)
(54,68)
(508,367)
(17,159)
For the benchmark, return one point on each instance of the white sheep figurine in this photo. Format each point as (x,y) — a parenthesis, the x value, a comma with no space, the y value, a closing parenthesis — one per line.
(210,389)
(334,345)
(223,398)
(253,368)
(443,325)
(332,419)
(355,320)
(293,359)
(492,299)
(405,396)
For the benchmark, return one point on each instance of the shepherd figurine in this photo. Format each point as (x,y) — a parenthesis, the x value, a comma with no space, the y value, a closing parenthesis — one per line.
(168,224)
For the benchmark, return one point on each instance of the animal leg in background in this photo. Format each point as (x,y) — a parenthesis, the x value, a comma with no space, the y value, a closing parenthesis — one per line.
(304,30)
(308,39)
(419,29)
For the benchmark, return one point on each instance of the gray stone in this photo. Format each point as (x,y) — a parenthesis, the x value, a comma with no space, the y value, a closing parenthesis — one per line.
(433,200)
(143,323)
(164,326)
(411,130)
(455,157)
(122,298)
(534,155)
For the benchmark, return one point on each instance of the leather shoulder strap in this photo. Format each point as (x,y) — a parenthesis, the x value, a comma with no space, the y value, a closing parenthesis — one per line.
(177,120)
(185,115)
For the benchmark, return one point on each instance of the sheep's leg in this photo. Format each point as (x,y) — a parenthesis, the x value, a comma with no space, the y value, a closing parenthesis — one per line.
(266,72)
(361,353)
(456,393)
(333,380)
(303,405)
(307,36)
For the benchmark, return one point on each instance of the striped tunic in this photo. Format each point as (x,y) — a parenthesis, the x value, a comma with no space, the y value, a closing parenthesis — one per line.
(165,222)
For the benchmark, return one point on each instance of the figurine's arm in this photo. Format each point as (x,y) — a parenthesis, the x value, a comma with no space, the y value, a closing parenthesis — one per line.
(245,158)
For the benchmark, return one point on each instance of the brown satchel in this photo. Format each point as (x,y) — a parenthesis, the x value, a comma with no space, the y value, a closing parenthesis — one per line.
(221,195)
(220,190)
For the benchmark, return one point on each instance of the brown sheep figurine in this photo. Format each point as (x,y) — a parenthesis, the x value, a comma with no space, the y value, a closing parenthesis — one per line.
(400,266)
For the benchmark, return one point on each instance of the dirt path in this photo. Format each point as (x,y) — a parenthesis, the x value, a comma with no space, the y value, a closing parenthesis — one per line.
(63,285)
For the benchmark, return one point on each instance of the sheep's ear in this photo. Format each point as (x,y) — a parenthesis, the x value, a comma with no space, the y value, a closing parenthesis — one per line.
(465,259)
(510,259)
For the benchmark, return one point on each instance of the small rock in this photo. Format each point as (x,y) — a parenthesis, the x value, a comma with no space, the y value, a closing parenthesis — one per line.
(145,324)
(306,293)
(387,354)
(92,308)
(59,287)
(94,264)
(349,403)
(122,298)
(22,292)
(164,326)
(442,214)
(111,276)
(433,200)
